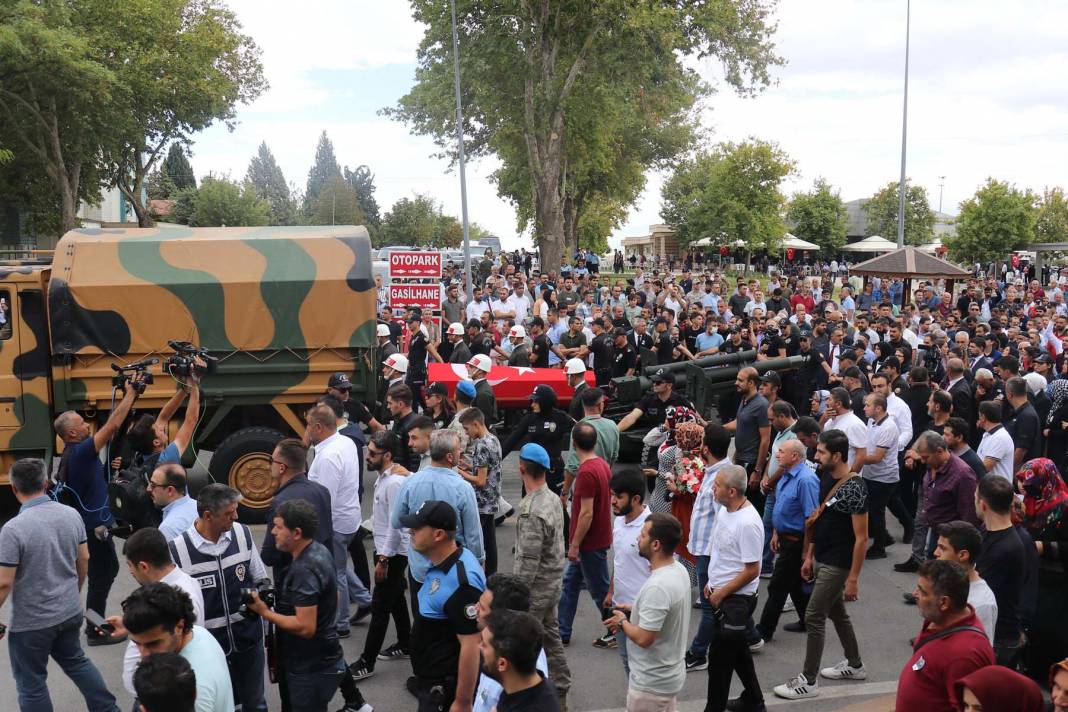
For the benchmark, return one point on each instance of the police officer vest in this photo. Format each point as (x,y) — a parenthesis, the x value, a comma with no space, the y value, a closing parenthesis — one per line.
(221,579)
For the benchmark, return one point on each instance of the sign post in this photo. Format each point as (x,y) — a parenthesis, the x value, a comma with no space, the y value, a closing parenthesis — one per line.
(414,265)
(415,281)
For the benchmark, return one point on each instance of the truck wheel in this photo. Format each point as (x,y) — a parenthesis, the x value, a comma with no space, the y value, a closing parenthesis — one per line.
(243,461)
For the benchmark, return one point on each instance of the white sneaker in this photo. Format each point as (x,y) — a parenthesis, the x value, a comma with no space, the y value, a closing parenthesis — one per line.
(798,688)
(757,646)
(788,606)
(844,671)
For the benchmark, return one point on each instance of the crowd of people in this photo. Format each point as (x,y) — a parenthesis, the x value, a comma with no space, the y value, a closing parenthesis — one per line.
(949,412)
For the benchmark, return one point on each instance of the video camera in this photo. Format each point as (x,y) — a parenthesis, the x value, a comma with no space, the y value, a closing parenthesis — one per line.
(266,591)
(134,374)
(183,363)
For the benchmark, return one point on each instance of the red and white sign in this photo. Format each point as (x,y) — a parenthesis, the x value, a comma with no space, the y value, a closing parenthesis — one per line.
(414,265)
(424,296)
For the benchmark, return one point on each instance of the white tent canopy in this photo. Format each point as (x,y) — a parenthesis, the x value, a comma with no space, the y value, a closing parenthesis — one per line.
(797,243)
(703,242)
(931,247)
(871,244)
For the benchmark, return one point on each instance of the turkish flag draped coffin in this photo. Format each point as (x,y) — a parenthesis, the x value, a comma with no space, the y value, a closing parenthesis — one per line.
(512,386)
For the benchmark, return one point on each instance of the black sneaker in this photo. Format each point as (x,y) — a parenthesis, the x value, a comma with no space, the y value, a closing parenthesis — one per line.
(874,553)
(907,567)
(344,633)
(412,685)
(795,627)
(606,641)
(360,671)
(696,662)
(393,652)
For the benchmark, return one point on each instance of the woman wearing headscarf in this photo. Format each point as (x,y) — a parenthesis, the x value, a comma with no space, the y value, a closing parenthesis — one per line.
(1036,388)
(545,425)
(1056,431)
(998,689)
(666,454)
(1045,508)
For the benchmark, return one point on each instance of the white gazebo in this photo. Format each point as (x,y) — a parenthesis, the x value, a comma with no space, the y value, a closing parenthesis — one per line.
(931,247)
(874,243)
(797,243)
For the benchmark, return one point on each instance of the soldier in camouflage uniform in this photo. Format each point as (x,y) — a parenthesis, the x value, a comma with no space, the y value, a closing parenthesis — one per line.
(539,556)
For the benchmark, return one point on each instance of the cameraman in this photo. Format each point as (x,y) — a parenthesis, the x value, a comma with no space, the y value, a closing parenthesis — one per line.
(306,619)
(81,470)
(148,435)
(219,553)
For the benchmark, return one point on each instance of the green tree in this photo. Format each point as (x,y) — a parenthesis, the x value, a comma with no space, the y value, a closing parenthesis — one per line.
(819,216)
(323,169)
(266,177)
(177,169)
(159,186)
(1051,224)
(55,92)
(362,181)
(730,194)
(998,219)
(337,204)
(220,202)
(420,221)
(882,210)
(201,67)
(538,74)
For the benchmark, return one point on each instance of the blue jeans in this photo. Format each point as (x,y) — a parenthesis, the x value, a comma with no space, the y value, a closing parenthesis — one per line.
(349,588)
(705,628)
(621,645)
(767,563)
(29,651)
(592,567)
(312,691)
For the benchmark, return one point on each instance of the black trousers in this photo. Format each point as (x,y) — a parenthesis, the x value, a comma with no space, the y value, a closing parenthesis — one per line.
(103,568)
(387,601)
(879,495)
(785,581)
(413,595)
(489,541)
(358,552)
(726,656)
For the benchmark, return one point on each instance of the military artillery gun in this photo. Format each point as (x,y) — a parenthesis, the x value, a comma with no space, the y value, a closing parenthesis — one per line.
(703,382)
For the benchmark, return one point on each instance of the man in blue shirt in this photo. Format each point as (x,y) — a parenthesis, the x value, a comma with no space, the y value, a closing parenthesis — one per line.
(81,470)
(796,497)
(148,435)
(440,481)
(445,637)
(709,341)
(167,486)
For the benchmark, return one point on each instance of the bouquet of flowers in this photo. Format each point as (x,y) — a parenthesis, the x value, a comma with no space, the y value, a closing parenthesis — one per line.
(687,475)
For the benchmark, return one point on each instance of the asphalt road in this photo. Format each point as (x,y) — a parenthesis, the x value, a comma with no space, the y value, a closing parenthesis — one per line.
(883,624)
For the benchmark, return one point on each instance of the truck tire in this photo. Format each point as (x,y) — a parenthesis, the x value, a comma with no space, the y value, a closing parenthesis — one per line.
(243,461)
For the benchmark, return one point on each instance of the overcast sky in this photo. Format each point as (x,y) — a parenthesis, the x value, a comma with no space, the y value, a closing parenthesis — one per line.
(988,96)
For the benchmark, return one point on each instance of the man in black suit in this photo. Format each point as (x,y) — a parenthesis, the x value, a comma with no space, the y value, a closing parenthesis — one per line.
(977,354)
(961,391)
(639,338)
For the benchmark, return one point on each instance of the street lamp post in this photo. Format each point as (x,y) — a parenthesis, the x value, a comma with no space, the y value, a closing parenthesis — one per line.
(904,133)
(460,145)
(941,185)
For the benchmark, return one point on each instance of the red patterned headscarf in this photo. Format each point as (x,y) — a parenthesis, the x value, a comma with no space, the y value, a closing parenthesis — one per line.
(1045,498)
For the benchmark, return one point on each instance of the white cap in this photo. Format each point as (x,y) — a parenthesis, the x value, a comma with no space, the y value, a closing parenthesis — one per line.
(383,330)
(397,362)
(518,332)
(455,329)
(481,362)
(574,365)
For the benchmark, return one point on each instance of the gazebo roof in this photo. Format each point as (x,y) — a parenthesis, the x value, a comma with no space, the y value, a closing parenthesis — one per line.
(910,262)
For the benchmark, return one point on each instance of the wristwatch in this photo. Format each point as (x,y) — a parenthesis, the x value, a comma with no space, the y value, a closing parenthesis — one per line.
(383,560)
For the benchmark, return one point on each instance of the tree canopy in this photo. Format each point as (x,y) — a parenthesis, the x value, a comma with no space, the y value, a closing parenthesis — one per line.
(729,194)
(566,93)
(324,168)
(220,202)
(997,220)
(337,204)
(266,177)
(819,216)
(420,221)
(882,210)
(1051,222)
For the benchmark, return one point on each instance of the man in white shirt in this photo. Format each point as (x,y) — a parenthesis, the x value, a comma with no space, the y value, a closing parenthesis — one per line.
(337,467)
(996,449)
(391,559)
(501,308)
(961,542)
(520,303)
(842,417)
(149,561)
(477,305)
(879,467)
(733,571)
(629,569)
(897,408)
(657,624)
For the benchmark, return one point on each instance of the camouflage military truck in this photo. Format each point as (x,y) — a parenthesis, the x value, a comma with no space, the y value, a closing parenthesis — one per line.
(281,308)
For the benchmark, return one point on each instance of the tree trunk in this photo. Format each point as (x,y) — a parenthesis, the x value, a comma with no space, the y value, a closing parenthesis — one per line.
(571,218)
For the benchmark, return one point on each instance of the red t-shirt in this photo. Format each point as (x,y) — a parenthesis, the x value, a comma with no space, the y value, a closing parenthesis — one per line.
(591,481)
(927,681)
